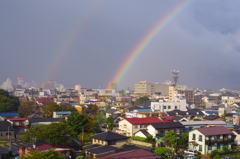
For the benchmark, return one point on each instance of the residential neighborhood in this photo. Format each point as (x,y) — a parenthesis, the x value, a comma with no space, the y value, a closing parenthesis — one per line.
(106,124)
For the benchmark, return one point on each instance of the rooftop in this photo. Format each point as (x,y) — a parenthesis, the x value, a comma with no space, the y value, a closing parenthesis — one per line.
(143,120)
(209,131)
(109,135)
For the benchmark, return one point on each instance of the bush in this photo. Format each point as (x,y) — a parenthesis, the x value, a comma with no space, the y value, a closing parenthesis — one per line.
(148,139)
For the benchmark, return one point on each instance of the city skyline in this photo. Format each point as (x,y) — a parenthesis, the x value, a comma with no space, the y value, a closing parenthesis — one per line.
(86,42)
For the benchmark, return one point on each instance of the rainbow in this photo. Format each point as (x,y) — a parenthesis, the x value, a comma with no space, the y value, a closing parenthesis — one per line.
(61,53)
(146,40)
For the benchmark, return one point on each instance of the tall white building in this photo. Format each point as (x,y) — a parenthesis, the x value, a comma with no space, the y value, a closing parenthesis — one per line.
(7,85)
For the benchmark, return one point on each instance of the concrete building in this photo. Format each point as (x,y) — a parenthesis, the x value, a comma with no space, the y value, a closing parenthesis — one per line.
(146,88)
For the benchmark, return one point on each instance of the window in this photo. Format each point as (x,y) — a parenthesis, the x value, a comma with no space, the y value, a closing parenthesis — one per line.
(164,107)
(218,136)
(200,138)
(175,107)
(124,125)
(218,146)
(200,147)
(193,137)
(169,107)
(209,147)
(135,126)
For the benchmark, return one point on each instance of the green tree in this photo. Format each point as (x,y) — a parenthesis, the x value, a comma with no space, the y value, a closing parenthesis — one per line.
(107,107)
(183,141)
(217,157)
(49,154)
(79,122)
(170,138)
(8,103)
(164,152)
(214,153)
(110,123)
(55,133)
(142,100)
(26,108)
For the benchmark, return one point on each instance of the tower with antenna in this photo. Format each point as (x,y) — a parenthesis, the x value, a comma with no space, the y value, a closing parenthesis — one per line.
(175,77)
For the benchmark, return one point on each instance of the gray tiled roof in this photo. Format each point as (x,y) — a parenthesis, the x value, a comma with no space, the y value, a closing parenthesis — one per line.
(109,135)
(167,125)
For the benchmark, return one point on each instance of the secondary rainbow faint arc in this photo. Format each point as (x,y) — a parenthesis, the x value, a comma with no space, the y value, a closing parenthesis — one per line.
(70,39)
(144,42)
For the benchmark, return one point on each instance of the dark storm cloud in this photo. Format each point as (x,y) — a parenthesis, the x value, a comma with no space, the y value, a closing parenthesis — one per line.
(202,42)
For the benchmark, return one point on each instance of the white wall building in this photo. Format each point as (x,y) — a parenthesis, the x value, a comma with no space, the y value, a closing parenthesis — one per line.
(169,106)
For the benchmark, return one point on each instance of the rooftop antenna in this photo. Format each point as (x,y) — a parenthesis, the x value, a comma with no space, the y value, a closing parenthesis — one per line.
(175,77)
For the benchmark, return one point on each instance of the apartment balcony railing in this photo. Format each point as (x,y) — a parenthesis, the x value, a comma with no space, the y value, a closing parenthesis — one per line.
(219,141)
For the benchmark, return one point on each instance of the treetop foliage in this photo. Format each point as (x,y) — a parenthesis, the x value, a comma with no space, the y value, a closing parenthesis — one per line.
(8,103)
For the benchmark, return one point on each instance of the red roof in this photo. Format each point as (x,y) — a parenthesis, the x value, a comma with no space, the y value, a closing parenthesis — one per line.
(16,119)
(138,153)
(44,100)
(144,120)
(48,146)
(218,130)
(19,127)
(167,118)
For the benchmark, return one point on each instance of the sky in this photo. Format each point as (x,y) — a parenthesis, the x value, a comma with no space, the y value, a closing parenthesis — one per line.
(86,42)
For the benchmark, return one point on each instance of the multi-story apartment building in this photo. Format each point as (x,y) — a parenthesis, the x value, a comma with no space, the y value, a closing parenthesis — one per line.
(147,88)
(189,95)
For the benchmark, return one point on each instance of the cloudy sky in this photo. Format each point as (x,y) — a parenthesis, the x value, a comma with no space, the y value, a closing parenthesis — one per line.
(86,41)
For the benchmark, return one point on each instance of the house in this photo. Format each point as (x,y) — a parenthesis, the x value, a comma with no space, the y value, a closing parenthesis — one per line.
(104,143)
(43,146)
(190,125)
(129,126)
(112,112)
(212,118)
(189,113)
(19,124)
(158,130)
(207,139)
(142,133)
(6,130)
(237,139)
(45,121)
(61,114)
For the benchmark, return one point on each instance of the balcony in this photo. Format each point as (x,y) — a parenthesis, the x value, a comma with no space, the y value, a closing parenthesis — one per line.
(219,141)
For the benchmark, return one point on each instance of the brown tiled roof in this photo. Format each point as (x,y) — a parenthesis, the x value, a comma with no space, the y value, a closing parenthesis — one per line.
(209,131)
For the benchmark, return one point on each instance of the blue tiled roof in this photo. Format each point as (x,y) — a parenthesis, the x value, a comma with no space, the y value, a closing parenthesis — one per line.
(211,112)
(144,110)
(63,112)
(8,114)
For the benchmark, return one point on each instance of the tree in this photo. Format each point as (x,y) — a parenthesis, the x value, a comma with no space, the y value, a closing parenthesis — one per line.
(142,100)
(8,103)
(170,138)
(164,152)
(55,133)
(48,109)
(49,154)
(110,123)
(26,108)
(183,141)
(79,122)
